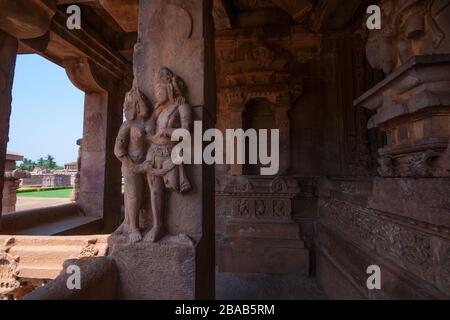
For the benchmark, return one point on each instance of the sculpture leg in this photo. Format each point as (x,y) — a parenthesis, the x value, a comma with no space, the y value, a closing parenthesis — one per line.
(133,195)
(157,194)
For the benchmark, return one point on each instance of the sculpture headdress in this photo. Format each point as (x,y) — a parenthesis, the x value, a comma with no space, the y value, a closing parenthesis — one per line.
(174,84)
(135,100)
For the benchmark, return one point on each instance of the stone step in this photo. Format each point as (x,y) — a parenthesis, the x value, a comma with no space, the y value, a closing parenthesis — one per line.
(43,257)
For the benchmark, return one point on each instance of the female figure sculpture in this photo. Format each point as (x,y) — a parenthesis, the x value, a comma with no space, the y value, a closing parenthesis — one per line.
(171,112)
(130,148)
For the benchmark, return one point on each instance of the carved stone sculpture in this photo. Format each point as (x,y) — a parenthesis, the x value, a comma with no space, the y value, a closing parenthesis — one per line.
(412,105)
(144,146)
(130,149)
(171,113)
(409,28)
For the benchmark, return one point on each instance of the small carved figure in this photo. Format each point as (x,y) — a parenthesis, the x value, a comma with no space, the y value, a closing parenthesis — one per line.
(131,147)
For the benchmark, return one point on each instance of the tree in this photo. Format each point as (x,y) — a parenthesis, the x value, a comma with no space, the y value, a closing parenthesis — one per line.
(50,162)
(47,163)
(27,165)
(40,163)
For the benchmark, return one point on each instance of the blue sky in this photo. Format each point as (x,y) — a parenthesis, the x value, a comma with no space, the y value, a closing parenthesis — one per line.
(47,111)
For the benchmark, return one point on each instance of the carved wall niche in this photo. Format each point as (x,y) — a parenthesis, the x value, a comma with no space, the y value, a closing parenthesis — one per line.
(254,71)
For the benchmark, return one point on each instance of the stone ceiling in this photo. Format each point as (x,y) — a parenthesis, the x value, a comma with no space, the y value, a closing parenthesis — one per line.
(316,15)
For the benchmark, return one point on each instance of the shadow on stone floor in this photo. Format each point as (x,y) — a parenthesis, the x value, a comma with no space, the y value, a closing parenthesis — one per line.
(232,286)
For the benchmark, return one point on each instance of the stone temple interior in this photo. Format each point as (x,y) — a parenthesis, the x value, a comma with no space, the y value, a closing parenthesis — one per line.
(364,161)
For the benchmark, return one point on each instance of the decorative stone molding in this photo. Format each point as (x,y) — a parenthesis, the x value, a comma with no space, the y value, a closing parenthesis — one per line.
(259,198)
(421,249)
(259,219)
(413,108)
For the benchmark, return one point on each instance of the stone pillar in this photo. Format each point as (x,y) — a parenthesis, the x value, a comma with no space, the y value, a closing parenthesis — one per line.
(102,119)
(8,52)
(76,188)
(176,34)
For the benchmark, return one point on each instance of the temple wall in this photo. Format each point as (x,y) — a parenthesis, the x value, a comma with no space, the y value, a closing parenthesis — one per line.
(399,218)
(326,135)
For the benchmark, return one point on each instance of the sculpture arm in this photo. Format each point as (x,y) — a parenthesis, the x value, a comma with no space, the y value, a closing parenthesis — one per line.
(186,116)
(122,140)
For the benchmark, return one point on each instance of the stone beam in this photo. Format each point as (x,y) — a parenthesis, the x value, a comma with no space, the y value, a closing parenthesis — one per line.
(332,14)
(297,9)
(8,52)
(125,12)
(26,19)
(85,43)
(61,44)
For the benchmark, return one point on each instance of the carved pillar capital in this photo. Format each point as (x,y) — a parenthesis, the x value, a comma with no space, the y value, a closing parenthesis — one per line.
(87,76)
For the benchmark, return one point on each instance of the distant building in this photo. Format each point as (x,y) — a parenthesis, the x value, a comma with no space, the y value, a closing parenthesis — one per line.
(45,178)
(11,182)
(73,166)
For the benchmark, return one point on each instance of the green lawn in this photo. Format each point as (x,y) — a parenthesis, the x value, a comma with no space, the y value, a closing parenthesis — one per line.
(62,194)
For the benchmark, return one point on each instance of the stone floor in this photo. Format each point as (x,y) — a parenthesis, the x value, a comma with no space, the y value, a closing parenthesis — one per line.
(230,286)
(34,203)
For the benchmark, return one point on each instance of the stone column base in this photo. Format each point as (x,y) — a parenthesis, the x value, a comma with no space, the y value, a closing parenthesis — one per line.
(155,271)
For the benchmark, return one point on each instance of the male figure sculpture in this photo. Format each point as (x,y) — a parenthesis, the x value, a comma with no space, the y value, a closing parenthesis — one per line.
(171,113)
(144,147)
